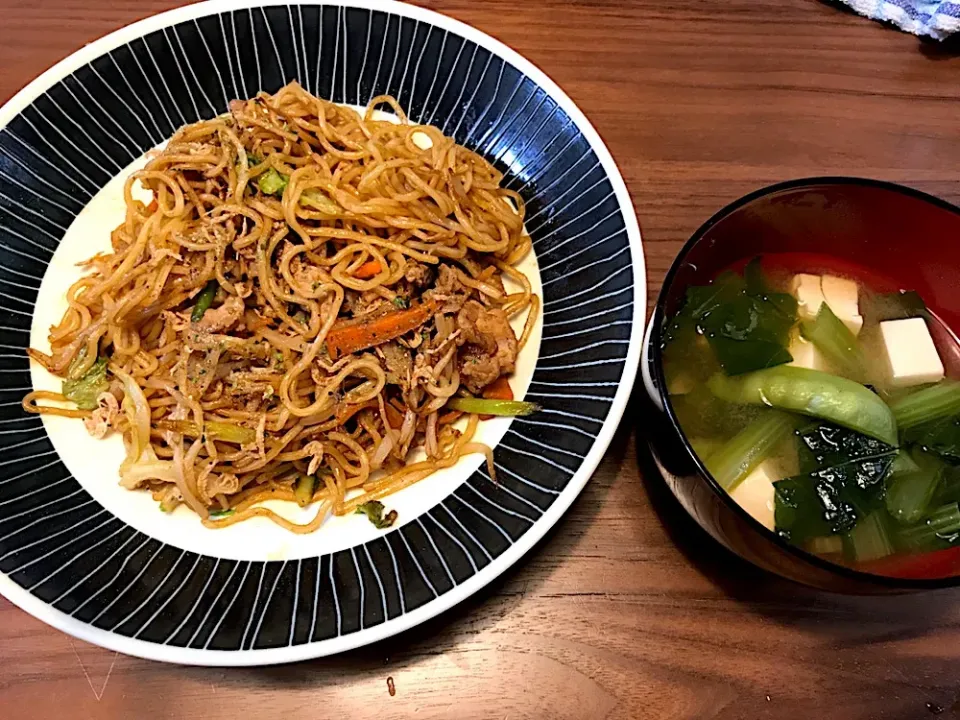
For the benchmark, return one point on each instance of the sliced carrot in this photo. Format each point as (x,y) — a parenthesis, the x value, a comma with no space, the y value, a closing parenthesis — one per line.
(348,337)
(394,416)
(449,417)
(152,207)
(499,389)
(367,270)
(352,410)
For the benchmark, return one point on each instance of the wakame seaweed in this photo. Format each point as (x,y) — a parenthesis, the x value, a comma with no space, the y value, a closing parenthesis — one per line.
(746,323)
(841,480)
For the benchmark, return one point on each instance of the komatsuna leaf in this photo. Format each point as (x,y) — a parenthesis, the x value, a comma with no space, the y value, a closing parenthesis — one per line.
(940,438)
(841,480)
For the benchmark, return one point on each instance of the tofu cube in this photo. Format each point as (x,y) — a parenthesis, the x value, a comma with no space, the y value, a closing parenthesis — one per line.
(787,462)
(912,358)
(755,493)
(806,354)
(841,295)
(806,289)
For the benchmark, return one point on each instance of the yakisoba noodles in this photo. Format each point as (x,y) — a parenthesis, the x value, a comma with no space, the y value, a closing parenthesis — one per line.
(311,295)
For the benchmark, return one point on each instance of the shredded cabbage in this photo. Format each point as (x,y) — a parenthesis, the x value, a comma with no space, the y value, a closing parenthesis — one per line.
(85,389)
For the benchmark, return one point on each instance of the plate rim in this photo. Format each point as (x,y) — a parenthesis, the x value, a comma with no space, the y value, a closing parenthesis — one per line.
(48,614)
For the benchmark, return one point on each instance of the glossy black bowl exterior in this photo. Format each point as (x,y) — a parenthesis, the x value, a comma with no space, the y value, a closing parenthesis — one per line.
(897,231)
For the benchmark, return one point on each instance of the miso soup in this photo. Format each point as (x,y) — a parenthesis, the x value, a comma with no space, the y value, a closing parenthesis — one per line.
(828,406)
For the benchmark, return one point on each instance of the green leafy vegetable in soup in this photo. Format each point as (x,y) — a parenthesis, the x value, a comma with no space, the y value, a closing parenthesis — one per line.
(939,437)
(736,459)
(936,402)
(746,323)
(911,489)
(835,341)
(826,410)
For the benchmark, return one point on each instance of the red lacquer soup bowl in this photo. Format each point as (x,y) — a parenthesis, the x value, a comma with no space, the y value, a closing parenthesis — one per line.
(893,238)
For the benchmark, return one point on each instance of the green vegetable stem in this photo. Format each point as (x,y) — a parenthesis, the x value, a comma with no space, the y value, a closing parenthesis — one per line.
(740,455)
(939,530)
(501,408)
(932,403)
(304,490)
(870,540)
(910,493)
(212,429)
(204,300)
(835,341)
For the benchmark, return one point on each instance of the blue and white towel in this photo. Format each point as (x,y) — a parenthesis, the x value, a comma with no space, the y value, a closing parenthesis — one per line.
(933,18)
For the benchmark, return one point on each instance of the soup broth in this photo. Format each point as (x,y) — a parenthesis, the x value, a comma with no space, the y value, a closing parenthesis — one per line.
(825,400)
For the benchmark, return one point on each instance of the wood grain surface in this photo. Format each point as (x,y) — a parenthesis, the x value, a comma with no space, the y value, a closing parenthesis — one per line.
(627,609)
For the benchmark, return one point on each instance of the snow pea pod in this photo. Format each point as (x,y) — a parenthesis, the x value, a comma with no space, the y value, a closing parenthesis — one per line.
(814,393)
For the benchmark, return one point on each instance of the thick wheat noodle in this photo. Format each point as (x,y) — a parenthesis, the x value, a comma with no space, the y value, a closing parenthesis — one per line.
(302,218)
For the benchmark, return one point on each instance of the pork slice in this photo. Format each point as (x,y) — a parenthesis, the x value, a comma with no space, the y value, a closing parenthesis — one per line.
(223,318)
(489,345)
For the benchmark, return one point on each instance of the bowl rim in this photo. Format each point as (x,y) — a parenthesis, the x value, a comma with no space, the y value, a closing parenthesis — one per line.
(657,320)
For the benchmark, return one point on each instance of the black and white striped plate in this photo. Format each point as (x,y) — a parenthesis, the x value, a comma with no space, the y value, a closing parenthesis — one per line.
(103,564)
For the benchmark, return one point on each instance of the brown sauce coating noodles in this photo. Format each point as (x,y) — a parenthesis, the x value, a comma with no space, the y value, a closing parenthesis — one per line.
(289,316)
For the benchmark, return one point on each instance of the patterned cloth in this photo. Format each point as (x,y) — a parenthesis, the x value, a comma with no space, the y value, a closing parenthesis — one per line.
(933,18)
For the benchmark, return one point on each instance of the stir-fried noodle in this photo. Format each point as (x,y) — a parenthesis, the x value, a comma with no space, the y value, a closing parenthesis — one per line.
(292,314)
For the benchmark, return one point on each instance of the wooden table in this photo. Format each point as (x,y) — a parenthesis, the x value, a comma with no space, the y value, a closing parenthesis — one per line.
(627,609)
